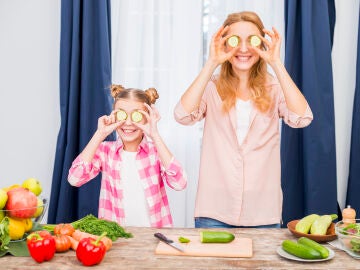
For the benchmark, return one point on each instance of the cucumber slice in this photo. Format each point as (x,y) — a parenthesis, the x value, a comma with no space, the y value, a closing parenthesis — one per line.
(255,41)
(216,237)
(136,116)
(121,115)
(233,41)
(183,240)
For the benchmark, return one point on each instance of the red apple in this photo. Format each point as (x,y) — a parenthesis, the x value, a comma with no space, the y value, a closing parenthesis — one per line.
(21,203)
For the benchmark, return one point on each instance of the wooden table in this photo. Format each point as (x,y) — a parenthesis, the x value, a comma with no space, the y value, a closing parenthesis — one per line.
(138,253)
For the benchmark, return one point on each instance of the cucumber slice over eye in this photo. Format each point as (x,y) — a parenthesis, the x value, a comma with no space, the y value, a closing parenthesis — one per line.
(121,115)
(233,41)
(255,41)
(136,116)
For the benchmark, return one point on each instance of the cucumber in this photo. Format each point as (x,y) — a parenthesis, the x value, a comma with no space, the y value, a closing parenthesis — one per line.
(216,237)
(183,240)
(136,116)
(312,244)
(305,223)
(233,41)
(300,250)
(255,41)
(121,115)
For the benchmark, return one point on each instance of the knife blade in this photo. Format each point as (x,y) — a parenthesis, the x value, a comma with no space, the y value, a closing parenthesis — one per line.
(168,241)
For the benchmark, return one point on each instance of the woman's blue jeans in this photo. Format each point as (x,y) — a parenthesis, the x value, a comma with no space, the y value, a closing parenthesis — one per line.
(204,222)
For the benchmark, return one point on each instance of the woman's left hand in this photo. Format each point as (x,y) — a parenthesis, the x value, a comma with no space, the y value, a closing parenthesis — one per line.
(152,117)
(271,54)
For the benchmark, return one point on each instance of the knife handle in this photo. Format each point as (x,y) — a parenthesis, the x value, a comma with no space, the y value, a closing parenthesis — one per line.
(163,238)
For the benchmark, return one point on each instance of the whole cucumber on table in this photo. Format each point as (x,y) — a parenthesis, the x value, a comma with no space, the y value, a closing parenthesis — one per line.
(305,223)
(312,244)
(321,224)
(216,237)
(300,250)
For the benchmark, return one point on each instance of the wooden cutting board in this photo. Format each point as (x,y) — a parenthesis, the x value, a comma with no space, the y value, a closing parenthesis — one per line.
(239,247)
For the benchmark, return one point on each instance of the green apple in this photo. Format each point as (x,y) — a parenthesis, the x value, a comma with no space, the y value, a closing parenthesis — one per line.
(33,185)
(3,198)
(40,208)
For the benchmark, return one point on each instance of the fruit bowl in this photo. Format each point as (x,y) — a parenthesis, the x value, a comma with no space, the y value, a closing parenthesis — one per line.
(28,218)
(349,236)
(329,236)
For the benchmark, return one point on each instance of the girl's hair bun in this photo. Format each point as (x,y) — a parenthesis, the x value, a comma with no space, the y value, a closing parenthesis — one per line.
(152,95)
(116,89)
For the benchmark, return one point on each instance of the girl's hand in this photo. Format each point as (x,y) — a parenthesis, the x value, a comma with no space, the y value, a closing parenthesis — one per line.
(152,117)
(107,124)
(218,52)
(272,52)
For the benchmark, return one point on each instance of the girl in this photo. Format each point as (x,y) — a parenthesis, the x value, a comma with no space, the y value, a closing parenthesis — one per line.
(133,168)
(240,158)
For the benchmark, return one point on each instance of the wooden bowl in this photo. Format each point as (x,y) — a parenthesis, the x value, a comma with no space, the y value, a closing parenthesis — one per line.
(329,236)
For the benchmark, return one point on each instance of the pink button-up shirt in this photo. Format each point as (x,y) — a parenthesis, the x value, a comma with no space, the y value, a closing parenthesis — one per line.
(107,160)
(241,184)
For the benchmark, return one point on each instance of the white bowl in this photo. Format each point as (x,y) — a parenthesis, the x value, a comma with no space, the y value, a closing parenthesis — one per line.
(349,238)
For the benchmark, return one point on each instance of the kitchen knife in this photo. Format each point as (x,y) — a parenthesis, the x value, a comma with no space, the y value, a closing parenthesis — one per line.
(168,241)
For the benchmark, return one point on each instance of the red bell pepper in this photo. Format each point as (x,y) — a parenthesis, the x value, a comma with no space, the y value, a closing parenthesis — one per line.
(91,251)
(41,246)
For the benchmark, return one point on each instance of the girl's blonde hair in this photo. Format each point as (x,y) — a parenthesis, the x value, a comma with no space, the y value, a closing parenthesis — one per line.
(148,96)
(228,82)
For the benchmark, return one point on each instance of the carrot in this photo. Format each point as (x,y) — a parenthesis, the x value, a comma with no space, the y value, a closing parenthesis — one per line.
(74,243)
(78,235)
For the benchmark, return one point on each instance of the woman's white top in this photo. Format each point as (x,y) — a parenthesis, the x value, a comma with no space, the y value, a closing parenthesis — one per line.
(135,205)
(243,110)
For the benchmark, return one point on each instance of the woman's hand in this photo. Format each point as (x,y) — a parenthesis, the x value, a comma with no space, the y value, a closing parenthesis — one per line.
(271,54)
(218,52)
(152,117)
(107,124)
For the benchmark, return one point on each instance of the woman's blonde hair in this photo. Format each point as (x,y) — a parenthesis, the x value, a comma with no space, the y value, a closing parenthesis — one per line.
(228,82)
(148,96)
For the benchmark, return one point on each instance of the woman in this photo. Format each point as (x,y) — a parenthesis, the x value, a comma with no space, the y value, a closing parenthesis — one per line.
(239,181)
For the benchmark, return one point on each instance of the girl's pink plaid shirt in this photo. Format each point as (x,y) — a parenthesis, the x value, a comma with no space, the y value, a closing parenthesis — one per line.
(107,160)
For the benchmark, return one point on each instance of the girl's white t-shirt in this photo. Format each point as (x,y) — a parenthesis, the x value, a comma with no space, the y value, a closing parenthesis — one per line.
(243,110)
(135,205)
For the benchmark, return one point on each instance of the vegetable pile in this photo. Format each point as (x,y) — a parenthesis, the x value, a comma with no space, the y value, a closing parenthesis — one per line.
(96,226)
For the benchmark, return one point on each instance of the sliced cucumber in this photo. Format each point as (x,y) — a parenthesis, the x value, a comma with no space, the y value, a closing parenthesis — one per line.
(216,237)
(121,115)
(233,41)
(136,116)
(183,240)
(255,41)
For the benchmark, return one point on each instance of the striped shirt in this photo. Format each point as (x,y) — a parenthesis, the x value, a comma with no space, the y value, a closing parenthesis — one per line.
(107,160)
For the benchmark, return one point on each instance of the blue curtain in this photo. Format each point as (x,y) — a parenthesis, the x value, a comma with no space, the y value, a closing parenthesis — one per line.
(85,77)
(353,188)
(308,155)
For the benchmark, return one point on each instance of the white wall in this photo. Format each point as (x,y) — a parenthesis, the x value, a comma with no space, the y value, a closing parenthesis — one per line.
(29,90)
